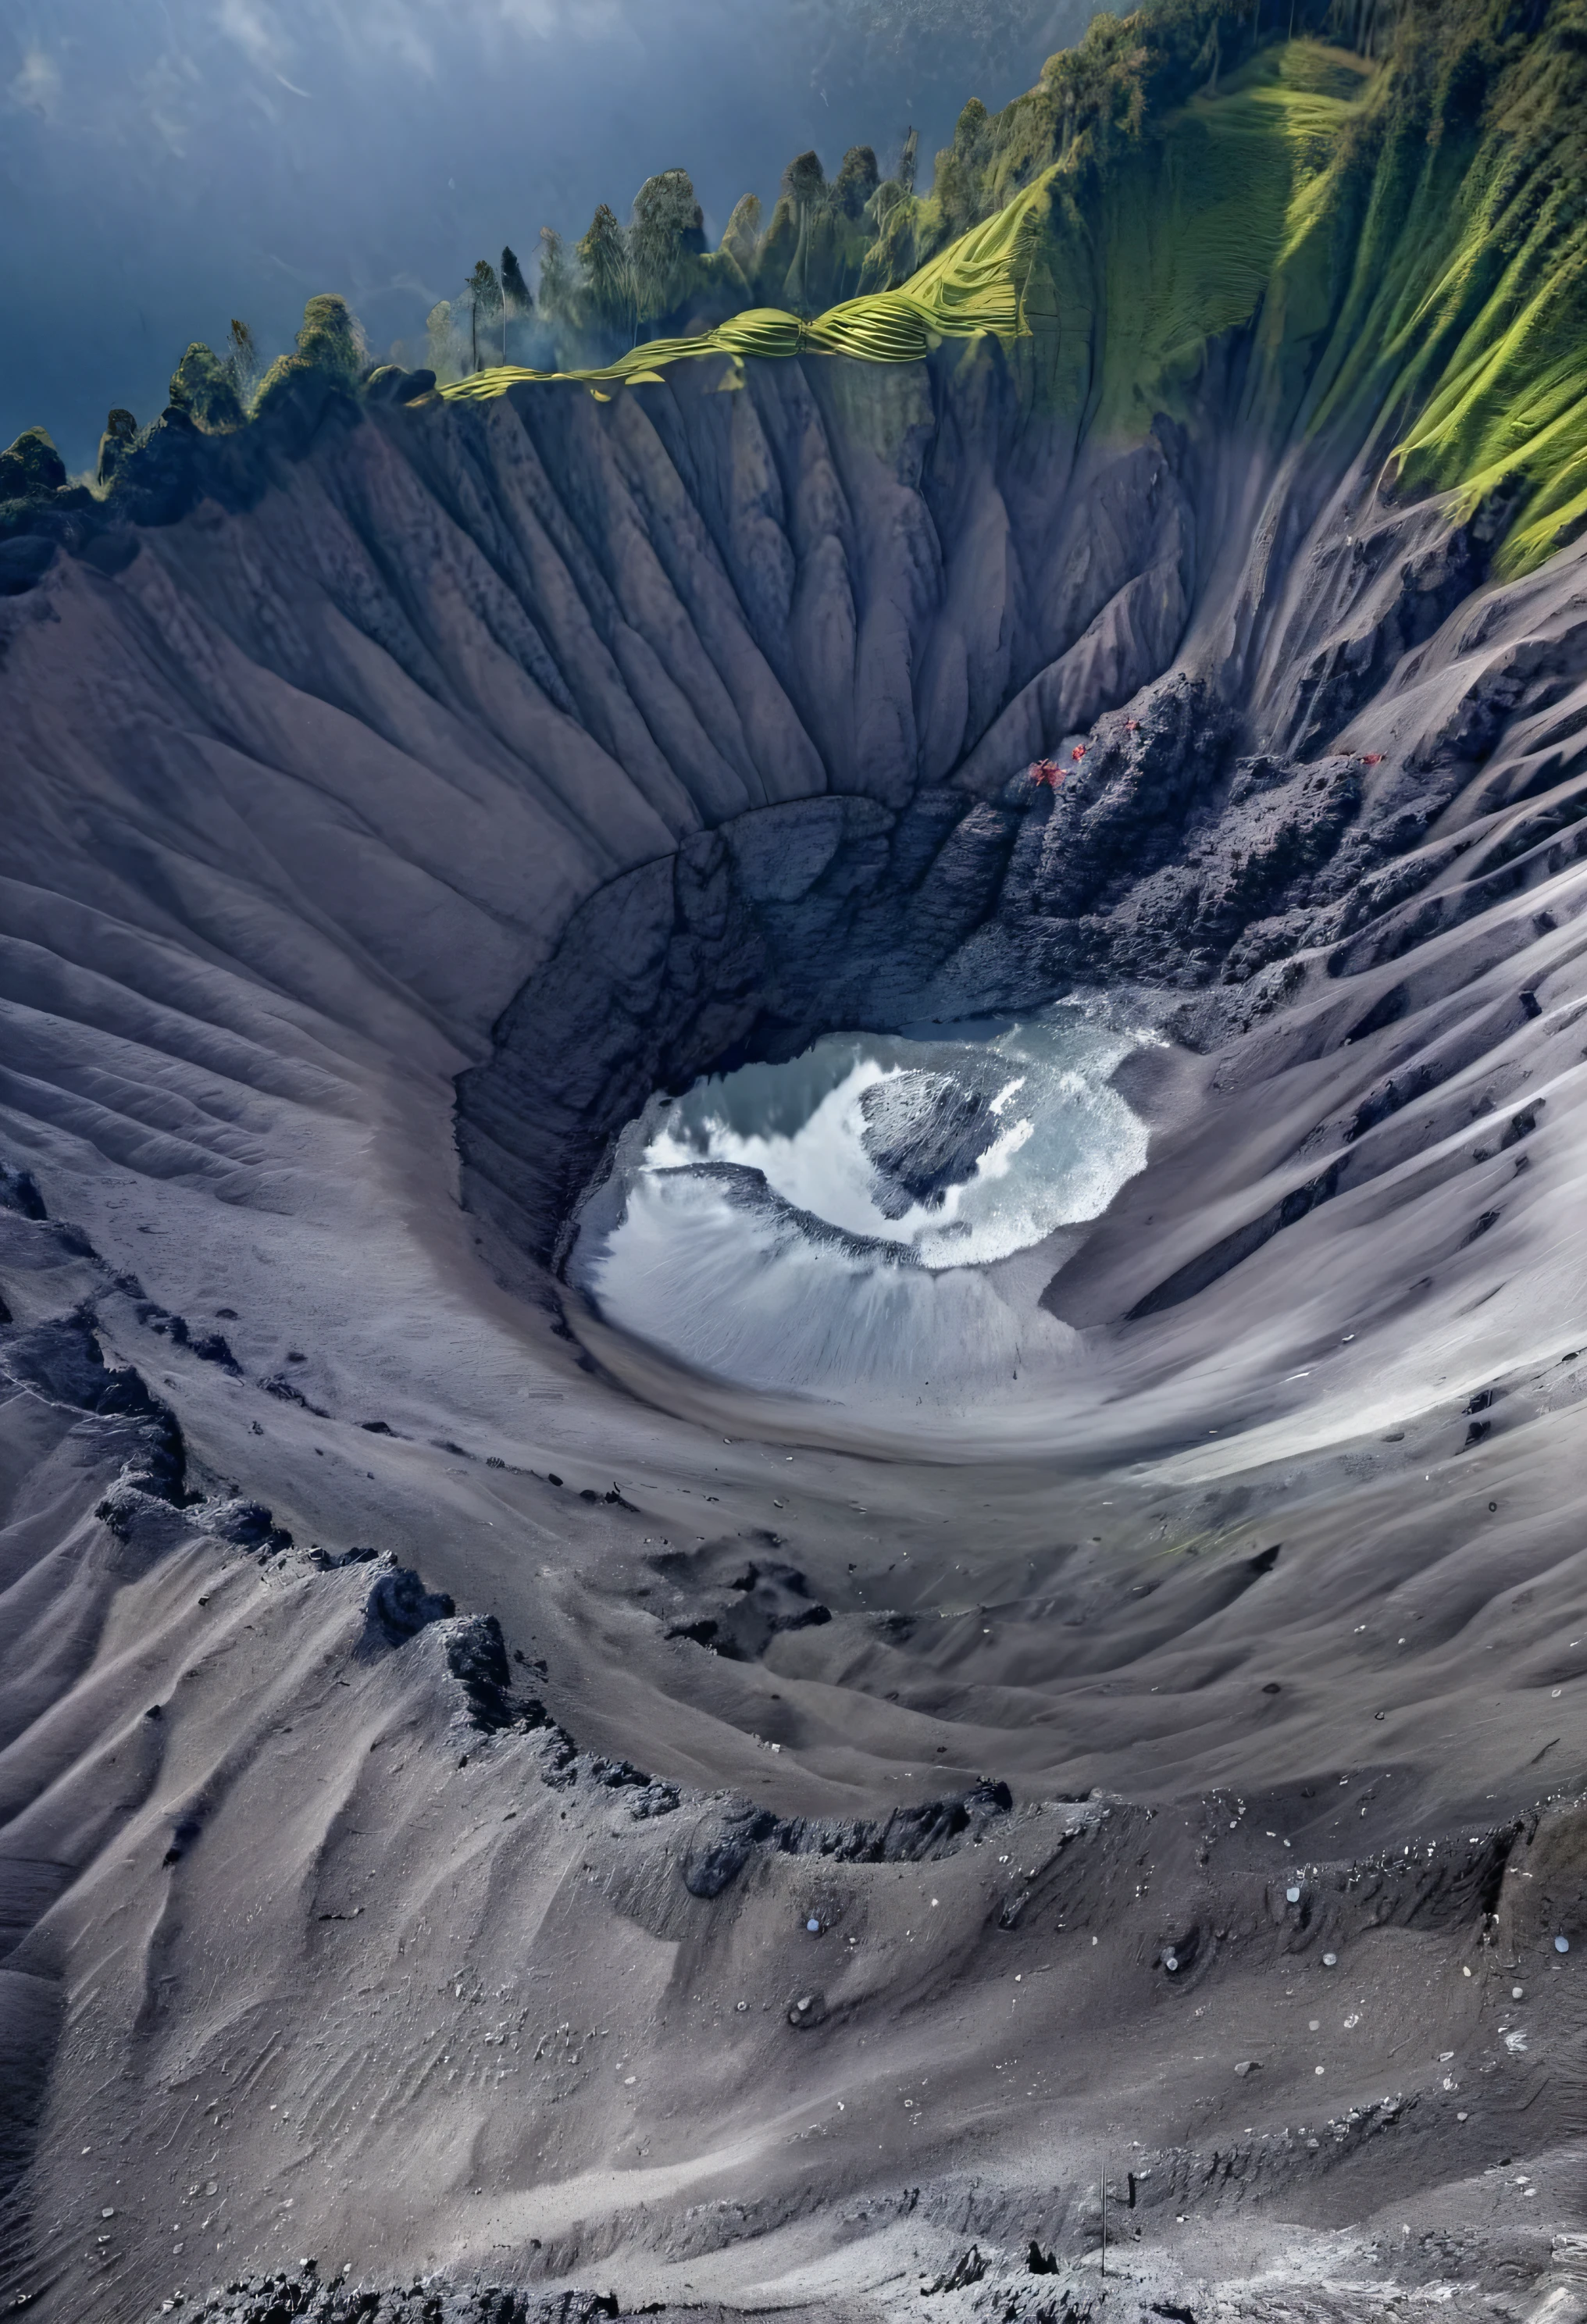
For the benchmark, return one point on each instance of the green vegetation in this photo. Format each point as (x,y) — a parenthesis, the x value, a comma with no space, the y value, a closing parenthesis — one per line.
(977,286)
(205,388)
(31,467)
(517,297)
(1467,317)
(1371,213)
(1123,243)
(243,361)
(329,343)
(121,433)
(1398,224)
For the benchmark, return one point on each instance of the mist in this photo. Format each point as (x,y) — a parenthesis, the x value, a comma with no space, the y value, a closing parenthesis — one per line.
(166,167)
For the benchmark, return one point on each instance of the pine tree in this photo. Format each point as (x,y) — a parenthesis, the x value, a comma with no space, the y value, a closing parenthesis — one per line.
(517,298)
(438,324)
(331,342)
(804,183)
(515,291)
(121,433)
(330,338)
(484,302)
(603,252)
(202,386)
(856,181)
(742,240)
(668,222)
(558,283)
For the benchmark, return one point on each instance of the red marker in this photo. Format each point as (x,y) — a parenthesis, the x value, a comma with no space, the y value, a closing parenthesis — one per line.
(1079,752)
(1043,771)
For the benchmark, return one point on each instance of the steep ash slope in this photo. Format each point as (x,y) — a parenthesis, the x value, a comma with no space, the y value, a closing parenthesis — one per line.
(388,781)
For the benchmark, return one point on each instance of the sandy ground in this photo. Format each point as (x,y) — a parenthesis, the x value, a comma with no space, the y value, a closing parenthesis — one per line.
(345,1926)
(337,1972)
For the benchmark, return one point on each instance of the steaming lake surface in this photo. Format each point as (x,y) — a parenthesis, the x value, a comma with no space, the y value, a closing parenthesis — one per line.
(851,1221)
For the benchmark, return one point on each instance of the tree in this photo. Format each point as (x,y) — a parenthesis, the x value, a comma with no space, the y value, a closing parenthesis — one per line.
(603,252)
(804,179)
(443,348)
(855,182)
(329,337)
(31,467)
(242,360)
(517,295)
(330,343)
(891,211)
(804,182)
(484,295)
(668,223)
(202,386)
(517,298)
(559,282)
(121,433)
(742,240)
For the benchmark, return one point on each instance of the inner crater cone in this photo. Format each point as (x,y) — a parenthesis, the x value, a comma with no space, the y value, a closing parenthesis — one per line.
(926,1132)
(842,1225)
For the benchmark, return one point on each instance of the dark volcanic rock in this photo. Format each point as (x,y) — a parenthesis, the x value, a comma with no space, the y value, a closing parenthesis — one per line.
(908,1835)
(757,1606)
(476,1656)
(1162,859)
(19,1191)
(62,1361)
(715,1862)
(400,1606)
(925,1132)
(283,2298)
(246,1525)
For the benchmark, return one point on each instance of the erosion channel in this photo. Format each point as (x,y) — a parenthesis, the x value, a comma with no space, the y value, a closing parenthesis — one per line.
(793,1274)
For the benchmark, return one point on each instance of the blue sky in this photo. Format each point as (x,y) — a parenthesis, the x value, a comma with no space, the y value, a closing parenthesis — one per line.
(166,164)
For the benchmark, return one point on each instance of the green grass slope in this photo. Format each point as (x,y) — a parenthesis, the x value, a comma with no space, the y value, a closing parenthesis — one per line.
(1404,237)
(977,286)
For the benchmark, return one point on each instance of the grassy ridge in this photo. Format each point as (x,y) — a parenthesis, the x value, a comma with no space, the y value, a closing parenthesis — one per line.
(1126,276)
(976,286)
(1405,238)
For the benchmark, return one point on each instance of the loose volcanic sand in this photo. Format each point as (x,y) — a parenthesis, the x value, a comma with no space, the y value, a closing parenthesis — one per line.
(434,1716)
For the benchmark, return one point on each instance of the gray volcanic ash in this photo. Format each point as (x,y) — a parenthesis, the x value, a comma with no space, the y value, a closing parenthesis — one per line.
(787,1521)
